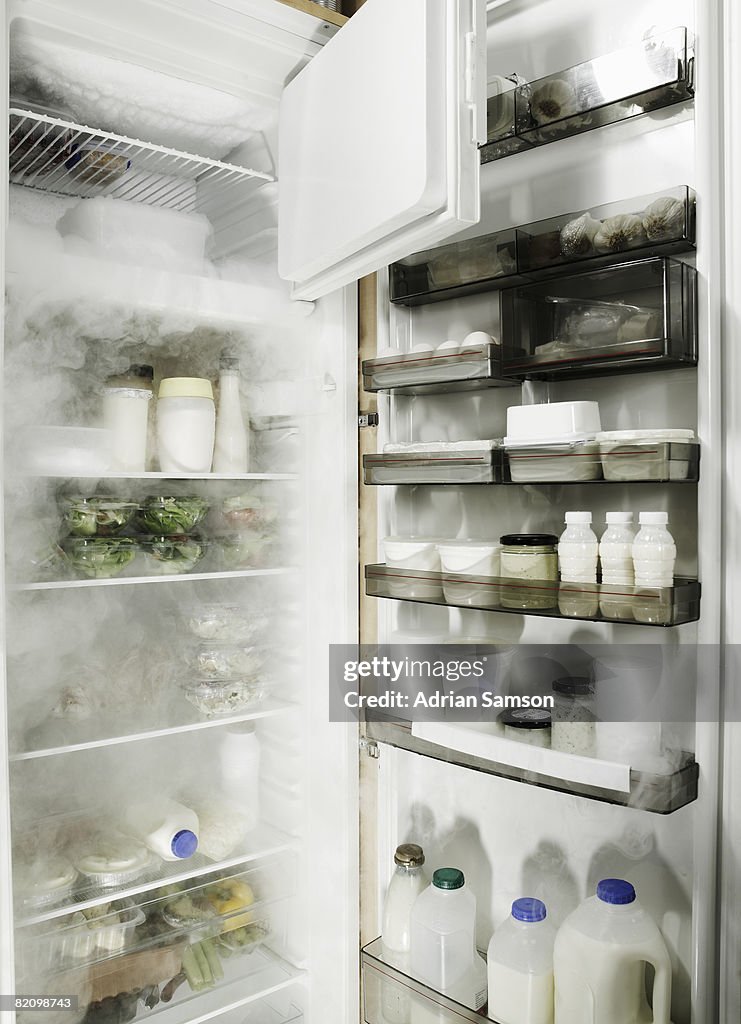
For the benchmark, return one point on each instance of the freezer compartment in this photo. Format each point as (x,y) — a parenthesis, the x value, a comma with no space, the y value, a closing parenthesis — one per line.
(660,794)
(626,317)
(657,224)
(461,268)
(443,467)
(655,73)
(389,994)
(593,602)
(411,373)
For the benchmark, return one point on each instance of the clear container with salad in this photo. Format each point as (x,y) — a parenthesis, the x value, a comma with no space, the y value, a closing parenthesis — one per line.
(97,516)
(99,557)
(168,515)
(223,697)
(171,555)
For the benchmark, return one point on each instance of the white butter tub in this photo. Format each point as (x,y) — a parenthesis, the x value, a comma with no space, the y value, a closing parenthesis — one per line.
(407,553)
(472,557)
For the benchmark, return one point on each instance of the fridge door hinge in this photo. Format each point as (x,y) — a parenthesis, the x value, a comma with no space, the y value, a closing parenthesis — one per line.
(368,419)
(370,747)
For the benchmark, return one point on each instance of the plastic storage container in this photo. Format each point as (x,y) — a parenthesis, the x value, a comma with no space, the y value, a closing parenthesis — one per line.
(224,623)
(553,442)
(165,827)
(569,462)
(600,958)
(126,404)
(422,554)
(552,421)
(99,557)
(100,515)
(168,515)
(111,860)
(443,948)
(520,966)
(225,696)
(527,725)
(471,557)
(224,660)
(665,454)
(45,881)
(532,559)
(186,425)
(165,556)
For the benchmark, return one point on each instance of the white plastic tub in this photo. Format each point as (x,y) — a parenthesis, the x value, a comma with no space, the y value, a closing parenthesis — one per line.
(402,553)
(662,454)
(561,461)
(567,421)
(474,558)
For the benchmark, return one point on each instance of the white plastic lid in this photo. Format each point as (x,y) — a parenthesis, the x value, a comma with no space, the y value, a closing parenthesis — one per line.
(653,518)
(185,387)
(653,434)
(578,517)
(618,518)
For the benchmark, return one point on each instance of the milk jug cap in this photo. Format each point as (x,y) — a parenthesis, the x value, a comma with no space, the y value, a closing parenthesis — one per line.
(618,518)
(529,910)
(582,518)
(615,891)
(653,518)
(184,843)
(448,878)
(409,855)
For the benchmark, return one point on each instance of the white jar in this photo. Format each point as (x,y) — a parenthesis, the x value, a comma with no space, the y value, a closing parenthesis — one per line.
(126,404)
(186,424)
(520,966)
(577,549)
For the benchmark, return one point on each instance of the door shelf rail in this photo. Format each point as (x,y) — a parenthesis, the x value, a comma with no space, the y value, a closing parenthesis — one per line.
(64,158)
(665,462)
(590,602)
(656,73)
(658,794)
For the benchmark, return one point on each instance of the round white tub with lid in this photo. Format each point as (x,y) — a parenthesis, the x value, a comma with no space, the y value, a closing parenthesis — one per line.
(477,559)
(408,553)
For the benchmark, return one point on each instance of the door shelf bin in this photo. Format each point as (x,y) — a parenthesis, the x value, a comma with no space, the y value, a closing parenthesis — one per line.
(449,271)
(657,224)
(443,467)
(655,73)
(658,794)
(592,462)
(470,368)
(629,317)
(655,606)
(391,995)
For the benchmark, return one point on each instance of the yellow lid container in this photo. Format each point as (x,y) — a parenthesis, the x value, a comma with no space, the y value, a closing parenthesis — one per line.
(185,387)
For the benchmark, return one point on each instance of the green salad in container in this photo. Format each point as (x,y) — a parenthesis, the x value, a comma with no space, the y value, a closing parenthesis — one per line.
(166,555)
(98,515)
(99,557)
(168,516)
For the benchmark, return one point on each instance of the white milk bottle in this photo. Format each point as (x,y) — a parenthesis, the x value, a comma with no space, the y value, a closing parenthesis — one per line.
(520,966)
(407,882)
(443,950)
(600,959)
(126,402)
(165,826)
(577,561)
(654,556)
(616,561)
(231,444)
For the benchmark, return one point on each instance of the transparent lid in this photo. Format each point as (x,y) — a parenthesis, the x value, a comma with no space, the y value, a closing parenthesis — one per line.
(409,855)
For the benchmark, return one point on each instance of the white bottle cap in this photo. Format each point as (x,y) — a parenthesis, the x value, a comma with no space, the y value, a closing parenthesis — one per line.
(578,517)
(653,518)
(618,517)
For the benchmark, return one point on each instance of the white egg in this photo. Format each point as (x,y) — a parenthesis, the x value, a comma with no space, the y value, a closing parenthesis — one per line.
(448,346)
(422,346)
(477,338)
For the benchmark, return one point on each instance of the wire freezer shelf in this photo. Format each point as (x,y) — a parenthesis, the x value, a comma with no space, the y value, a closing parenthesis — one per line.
(62,157)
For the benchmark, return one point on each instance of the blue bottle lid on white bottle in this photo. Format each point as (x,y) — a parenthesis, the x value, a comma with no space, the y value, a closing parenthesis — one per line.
(616,891)
(184,843)
(529,910)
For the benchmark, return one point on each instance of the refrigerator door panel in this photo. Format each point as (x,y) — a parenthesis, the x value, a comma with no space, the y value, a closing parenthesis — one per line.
(378,141)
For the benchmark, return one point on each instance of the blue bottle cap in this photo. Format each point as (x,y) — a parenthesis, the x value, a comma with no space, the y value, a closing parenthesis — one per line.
(184,843)
(616,891)
(529,909)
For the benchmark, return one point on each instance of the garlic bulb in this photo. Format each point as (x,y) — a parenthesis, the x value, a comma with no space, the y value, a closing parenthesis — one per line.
(553,100)
(577,237)
(617,233)
(664,218)
(642,326)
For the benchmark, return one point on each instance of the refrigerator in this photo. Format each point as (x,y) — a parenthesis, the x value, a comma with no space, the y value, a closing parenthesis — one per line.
(189,179)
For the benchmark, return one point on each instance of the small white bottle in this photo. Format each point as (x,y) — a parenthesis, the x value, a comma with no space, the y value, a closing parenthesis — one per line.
(654,551)
(165,827)
(407,882)
(578,549)
(443,950)
(231,448)
(239,755)
(616,549)
(520,966)
(186,420)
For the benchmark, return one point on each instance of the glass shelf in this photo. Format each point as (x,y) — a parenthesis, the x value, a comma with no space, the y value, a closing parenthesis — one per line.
(437,372)
(659,224)
(648,462)
(659,794)
(120,581)
(633,316)
(655,73)
(591,602)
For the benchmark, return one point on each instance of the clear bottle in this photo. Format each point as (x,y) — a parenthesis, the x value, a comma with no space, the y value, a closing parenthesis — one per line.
(165,827)
(407,882)
(600,957)
(239,755)
(231,447)
(578,549)
(654,551)
(443,950)
(616,561)
(520,966)
(126,403)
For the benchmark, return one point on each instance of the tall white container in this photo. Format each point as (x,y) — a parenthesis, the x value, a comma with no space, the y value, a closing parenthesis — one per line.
(654,551)
(165,827)
(443,950)
(616,548)
(600,959)
(231,447)
(520,966)
(126,404)
(186,423)
(407,882)
(239,756)
(577,549)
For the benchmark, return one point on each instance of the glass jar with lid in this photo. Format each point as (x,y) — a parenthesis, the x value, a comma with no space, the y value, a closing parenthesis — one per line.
(572,717)
(527,725)
(532,558)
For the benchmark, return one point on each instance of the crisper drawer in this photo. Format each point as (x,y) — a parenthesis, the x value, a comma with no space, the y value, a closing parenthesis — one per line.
(628,317)
(437,467)
(472,366)
(392,997)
